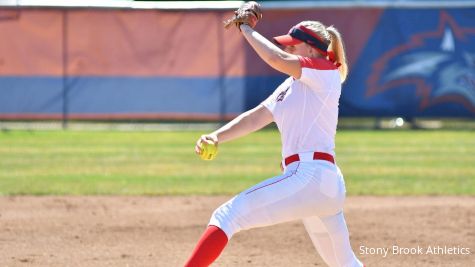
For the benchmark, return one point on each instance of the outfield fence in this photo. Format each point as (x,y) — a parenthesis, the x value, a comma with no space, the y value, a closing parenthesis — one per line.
(149,61)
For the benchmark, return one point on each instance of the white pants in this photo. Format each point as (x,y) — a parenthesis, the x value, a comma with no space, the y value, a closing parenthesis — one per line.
(313,191)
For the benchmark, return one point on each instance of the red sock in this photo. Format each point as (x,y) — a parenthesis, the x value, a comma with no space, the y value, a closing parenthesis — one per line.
(210,245)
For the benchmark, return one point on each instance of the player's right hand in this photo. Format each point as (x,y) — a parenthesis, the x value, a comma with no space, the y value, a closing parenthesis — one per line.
(206,138)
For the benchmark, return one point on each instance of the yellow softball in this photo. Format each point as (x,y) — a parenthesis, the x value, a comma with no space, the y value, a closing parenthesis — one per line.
(208,151)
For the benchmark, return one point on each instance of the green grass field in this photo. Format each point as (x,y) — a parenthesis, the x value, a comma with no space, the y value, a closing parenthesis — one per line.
(150,163)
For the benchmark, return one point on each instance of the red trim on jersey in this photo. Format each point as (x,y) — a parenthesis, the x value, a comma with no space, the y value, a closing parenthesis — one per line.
(316,63)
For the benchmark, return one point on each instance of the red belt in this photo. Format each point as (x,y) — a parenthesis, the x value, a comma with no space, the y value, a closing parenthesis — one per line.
(316,156)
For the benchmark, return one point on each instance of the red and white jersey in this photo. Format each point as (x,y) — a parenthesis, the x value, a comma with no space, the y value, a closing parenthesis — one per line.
(306,109)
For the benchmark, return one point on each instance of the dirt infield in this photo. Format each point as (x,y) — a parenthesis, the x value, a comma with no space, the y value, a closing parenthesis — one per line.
(161,231)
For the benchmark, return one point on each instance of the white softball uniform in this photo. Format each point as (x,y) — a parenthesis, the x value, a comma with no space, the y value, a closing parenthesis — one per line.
(306,113)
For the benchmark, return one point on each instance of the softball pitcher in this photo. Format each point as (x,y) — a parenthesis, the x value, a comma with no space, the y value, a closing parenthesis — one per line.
(305,109)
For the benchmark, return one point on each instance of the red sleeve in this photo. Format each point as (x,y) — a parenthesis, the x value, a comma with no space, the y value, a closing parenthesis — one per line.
(316,63)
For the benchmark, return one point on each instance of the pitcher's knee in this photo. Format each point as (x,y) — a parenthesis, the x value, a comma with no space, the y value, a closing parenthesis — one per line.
(226,217)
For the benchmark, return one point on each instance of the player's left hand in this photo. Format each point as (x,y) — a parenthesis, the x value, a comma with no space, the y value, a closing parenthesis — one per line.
(249,13)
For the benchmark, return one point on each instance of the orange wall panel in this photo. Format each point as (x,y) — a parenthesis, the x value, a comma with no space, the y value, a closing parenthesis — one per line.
(111,42)
(31,43)
(148,43)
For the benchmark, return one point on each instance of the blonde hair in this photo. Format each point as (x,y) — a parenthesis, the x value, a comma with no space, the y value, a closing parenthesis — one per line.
(332,37)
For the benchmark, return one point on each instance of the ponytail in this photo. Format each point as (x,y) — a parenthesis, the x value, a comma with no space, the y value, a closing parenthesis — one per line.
(336,45)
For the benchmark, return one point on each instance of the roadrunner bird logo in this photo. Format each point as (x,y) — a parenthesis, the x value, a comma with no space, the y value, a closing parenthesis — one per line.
(439,65)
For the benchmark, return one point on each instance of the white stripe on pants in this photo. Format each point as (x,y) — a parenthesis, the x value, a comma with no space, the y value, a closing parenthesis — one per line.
(313,191)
